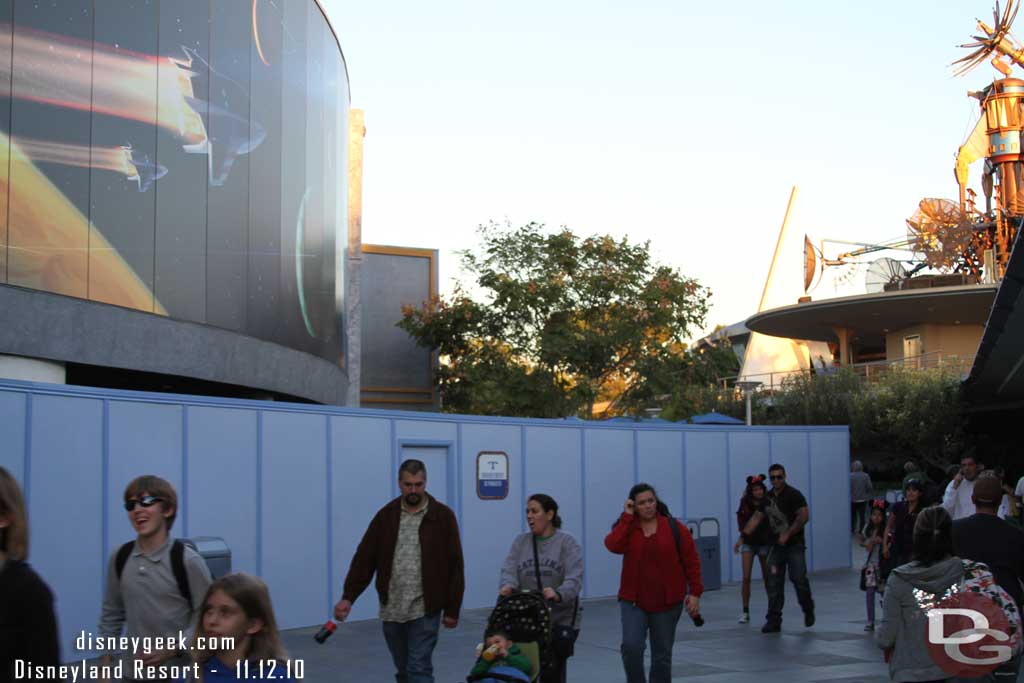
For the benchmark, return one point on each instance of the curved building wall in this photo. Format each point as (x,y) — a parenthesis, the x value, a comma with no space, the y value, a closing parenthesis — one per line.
(186,158)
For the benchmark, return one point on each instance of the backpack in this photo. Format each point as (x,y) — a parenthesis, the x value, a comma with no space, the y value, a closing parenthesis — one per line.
(177,566)
(978,578)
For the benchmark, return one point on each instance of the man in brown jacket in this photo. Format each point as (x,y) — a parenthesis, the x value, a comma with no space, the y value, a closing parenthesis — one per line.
(413,546)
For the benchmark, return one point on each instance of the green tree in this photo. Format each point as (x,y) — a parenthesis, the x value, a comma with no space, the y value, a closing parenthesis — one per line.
(559,319)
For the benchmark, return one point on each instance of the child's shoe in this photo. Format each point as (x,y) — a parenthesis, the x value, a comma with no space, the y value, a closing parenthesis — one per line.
(745,619)
(869,626)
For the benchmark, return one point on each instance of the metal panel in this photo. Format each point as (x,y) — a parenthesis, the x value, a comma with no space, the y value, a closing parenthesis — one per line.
(552,466)
(222,447)
(830,491)
(488,526)
(361,483)
(660,464)
(607,477)
(65,509)
(707,480)
(12,433)
(144,438)
(293,537)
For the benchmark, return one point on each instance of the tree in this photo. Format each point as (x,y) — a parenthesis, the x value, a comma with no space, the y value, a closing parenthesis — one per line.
(560,318)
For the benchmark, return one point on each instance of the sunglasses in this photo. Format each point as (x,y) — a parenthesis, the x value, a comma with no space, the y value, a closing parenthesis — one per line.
(145,501)
(777,477)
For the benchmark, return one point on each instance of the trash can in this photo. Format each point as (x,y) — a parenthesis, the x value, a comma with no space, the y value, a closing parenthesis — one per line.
(707,534)
(214,551)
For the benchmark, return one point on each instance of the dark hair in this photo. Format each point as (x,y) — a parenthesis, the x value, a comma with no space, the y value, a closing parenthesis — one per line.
(413,467)
(643,488)
(870,528)
(776,466)
(969,456)
(548,504)
(497,631)
(933,535)
(753,482)
(914,484)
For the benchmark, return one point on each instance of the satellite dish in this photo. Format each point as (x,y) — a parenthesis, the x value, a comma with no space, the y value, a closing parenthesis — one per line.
(882,272)
(810,263)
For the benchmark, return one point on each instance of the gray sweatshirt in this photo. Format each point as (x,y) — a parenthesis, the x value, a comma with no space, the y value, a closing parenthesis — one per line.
(561,568)
(903,619)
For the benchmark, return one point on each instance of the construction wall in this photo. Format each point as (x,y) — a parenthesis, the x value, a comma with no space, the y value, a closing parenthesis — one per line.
(291,488)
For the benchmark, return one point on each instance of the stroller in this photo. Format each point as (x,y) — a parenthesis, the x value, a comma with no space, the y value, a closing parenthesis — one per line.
(526,618)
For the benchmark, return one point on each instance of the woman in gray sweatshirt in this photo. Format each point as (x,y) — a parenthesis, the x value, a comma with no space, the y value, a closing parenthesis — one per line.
(559,560)
(910,592)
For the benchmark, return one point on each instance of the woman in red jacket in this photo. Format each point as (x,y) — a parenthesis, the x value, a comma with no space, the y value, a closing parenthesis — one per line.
(656,572)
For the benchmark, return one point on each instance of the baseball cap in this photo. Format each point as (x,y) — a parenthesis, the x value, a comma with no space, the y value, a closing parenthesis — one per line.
(988,491)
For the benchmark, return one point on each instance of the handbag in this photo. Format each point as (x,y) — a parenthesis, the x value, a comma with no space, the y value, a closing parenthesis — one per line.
(863,578)
(563,638)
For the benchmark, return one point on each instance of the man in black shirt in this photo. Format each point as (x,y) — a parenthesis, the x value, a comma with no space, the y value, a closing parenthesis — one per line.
(983,537)
(787,512)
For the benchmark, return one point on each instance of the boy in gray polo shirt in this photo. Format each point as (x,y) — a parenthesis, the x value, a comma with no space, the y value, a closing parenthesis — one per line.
(144,596)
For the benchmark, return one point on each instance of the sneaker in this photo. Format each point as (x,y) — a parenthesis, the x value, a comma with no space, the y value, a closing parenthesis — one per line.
(809,618)
(869,627)
(771,628)
(745,619)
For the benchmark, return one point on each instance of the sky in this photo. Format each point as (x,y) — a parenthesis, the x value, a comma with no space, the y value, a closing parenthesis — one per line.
(680,123)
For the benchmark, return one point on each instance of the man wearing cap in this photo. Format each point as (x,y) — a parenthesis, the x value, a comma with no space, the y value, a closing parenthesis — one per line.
(983,537)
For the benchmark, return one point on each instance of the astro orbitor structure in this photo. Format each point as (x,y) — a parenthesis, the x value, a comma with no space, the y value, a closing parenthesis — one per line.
(997,139)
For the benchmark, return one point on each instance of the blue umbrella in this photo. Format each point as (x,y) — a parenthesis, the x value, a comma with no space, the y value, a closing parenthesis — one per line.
(714,418)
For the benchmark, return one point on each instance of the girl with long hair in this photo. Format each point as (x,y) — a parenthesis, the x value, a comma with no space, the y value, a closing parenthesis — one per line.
(756,536)
(237,622)
(873,535)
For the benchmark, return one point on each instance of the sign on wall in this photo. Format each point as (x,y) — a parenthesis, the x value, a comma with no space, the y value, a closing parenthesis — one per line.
(492,475)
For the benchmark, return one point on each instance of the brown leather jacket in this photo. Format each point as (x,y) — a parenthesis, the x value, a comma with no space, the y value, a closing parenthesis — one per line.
(443,578)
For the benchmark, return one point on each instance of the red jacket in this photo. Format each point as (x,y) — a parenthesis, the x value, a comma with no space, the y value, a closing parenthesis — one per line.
(678,570)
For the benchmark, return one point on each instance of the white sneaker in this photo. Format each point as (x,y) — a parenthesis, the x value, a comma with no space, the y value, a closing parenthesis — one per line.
(745,619)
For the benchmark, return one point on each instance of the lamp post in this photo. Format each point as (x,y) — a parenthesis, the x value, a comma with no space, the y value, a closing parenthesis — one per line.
(748,388)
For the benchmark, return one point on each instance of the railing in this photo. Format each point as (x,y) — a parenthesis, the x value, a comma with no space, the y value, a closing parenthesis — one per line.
(870,371)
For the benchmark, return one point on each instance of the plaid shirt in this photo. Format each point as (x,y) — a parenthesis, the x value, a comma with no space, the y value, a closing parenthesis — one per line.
(405,592)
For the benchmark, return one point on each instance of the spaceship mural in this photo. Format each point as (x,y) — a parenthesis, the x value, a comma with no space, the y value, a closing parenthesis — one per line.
(181,157)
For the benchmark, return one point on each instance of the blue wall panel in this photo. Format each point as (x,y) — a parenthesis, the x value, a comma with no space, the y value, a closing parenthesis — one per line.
(293,488)
(608,465)
(144,438)
(707,482)
(830,481)
(65,509)
(481,519)
(553,467)
(748,455)
(12,433)
(293,494)
(222,444)
(360,485)
(660,464)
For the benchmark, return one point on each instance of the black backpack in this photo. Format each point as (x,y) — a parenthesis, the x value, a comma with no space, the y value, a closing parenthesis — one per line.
(177,566)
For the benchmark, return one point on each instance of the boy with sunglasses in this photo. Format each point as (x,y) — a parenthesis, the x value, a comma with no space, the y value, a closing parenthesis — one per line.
(145,594)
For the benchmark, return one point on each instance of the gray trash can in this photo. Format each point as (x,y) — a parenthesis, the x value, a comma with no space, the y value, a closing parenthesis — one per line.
(707,534)
(214,551)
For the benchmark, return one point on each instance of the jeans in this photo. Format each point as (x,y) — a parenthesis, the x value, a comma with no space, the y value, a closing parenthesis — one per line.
(412,646)
(781,557)
(635,625)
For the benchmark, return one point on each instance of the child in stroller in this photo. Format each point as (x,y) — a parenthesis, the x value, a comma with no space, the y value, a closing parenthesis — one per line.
(520,622)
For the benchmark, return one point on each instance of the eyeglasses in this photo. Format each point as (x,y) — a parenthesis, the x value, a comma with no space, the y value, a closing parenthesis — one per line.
(145,501)
(777,477)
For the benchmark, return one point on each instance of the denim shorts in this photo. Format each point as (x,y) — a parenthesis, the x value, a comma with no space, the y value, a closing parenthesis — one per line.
(761,550)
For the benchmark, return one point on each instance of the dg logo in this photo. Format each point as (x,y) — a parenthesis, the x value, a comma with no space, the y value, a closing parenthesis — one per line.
(968,635)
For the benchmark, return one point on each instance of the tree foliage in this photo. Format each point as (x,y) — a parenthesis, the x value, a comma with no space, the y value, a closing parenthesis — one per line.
(559,319)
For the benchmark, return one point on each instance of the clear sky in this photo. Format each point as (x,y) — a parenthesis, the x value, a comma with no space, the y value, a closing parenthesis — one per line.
(678,122)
